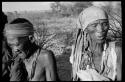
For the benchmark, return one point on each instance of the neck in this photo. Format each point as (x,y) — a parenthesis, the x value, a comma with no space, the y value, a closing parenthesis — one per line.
(29,49)
(96,47)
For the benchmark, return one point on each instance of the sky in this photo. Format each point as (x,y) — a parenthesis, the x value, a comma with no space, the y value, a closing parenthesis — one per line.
(32,6)
(25,6)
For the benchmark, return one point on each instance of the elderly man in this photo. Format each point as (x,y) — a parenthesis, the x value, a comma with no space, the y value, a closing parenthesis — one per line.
(94,58)
(23,60)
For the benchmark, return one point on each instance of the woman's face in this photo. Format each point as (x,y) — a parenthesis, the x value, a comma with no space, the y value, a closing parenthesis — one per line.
(98,30)
(16,43)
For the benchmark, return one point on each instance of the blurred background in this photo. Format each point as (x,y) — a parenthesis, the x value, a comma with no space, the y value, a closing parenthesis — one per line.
(55,22)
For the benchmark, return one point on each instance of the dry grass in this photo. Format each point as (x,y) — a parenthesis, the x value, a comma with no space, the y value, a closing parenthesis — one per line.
(64,67)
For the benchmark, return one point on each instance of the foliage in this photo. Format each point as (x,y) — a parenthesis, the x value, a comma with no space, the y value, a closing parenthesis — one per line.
(70,9)
(57,33)
(79,6)
(115,21)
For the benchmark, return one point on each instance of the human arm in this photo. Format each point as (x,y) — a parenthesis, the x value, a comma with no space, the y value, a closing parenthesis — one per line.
(46,67)
(18,71)
(50,67)
(118,49)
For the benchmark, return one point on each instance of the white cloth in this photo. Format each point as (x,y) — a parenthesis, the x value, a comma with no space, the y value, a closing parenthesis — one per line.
(111,58)
(71,57)
(91,75)
(89,15)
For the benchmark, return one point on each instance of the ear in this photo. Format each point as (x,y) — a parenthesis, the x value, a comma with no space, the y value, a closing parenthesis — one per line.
(30,37)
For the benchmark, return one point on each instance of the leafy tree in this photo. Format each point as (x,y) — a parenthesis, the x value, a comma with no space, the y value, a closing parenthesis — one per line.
(115,21)
(55,7)
(79,6)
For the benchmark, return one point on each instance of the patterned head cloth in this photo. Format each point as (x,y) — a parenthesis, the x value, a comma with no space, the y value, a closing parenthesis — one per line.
(89,15)
(86,17)
(18,30)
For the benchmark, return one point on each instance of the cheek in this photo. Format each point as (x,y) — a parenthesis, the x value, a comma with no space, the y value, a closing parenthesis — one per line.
(12,42)
(91,31)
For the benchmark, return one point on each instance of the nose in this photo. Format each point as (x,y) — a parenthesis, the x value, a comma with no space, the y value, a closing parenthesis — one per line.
(15,41)
(99,28)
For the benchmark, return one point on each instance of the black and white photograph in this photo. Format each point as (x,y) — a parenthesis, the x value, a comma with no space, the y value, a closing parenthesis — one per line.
(61,41)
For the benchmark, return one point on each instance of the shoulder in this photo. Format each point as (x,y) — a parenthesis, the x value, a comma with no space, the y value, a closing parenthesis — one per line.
(118,49)
(116,44)
(45,55)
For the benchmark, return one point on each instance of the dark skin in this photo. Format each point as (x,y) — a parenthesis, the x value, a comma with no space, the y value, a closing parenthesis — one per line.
(45,64)
(46,67)
(97,31)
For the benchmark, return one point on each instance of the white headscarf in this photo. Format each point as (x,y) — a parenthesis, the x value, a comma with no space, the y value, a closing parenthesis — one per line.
(89,15)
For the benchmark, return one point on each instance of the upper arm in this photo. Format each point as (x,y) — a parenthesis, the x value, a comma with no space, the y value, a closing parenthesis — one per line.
(118,49)
(50,67)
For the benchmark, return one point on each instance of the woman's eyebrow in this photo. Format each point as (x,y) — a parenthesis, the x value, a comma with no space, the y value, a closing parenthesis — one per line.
(92,23)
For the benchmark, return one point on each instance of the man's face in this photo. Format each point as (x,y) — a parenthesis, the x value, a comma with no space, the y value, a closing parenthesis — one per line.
(16,43)
(98,30)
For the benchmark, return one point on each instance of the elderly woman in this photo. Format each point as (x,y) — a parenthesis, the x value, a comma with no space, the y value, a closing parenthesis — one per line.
(23,60)
(93,57)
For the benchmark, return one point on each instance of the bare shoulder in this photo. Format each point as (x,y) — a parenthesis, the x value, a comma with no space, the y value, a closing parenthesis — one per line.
(45,56)
(46,53)
(118,49)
